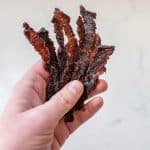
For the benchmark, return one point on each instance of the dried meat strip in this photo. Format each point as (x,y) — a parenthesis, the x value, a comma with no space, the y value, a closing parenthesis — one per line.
(89,26)
(88,44)
(87,34)
(100,59)
(93,57)
(89,41)
(51,65)
(95,69)
(70,47)
(43,34)
(61,52)
(80,31)
(36,41)
(43,45)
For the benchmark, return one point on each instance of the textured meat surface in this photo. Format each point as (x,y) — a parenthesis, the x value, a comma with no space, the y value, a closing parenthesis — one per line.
(36,41)
(83,59)
(61,52)
(51,65)
(70,47)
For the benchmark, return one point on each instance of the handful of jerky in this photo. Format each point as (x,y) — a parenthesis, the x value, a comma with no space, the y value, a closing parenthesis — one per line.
(80,59)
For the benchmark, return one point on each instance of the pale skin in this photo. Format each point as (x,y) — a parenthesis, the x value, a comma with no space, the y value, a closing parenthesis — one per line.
(30,124)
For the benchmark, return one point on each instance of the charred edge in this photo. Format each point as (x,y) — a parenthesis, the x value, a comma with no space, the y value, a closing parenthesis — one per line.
(36,41)
(89,25)
(96,69)
(100,59)
(83,11)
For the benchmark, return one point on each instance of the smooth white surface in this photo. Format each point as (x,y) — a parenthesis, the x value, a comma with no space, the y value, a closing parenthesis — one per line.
(124,121)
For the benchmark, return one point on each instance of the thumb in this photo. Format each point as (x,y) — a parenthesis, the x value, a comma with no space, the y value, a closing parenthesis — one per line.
(53,110)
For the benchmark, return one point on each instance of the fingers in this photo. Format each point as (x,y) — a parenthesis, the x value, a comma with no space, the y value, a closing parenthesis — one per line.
(63,130)
(83,115)
(101,87)
(53,110)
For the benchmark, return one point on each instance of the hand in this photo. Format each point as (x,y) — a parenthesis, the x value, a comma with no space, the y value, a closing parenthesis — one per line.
(30,124)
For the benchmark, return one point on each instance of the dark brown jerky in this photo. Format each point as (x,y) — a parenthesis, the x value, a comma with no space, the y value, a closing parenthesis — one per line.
(83,61)
(88,44)
(44,46)
(80,31)
(89,26)
(52,65)
(93,51)
(43,33)
(89,83)
(96,68)
(100,59)
(87,34)
(70,47)
(37,42)
(61,53)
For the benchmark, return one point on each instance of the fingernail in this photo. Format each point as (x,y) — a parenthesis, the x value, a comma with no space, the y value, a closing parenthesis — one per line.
(75,86)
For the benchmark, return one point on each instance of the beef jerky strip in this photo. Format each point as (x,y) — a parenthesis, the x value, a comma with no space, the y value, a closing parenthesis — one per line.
(61,53)
(89,26)
(95,69)
(78,72)
(51,65)
(80,31)
(41,45)
(88,43)
(90,37)
(87,37)
(80,52)
(71,47)
(36,41)
(86,84)
(100,59)
(92,53)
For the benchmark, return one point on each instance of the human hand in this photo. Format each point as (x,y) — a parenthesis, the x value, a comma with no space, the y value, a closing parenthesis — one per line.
(30,124)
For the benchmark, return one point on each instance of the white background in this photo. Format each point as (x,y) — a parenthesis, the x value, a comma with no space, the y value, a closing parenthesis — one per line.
(124,121)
